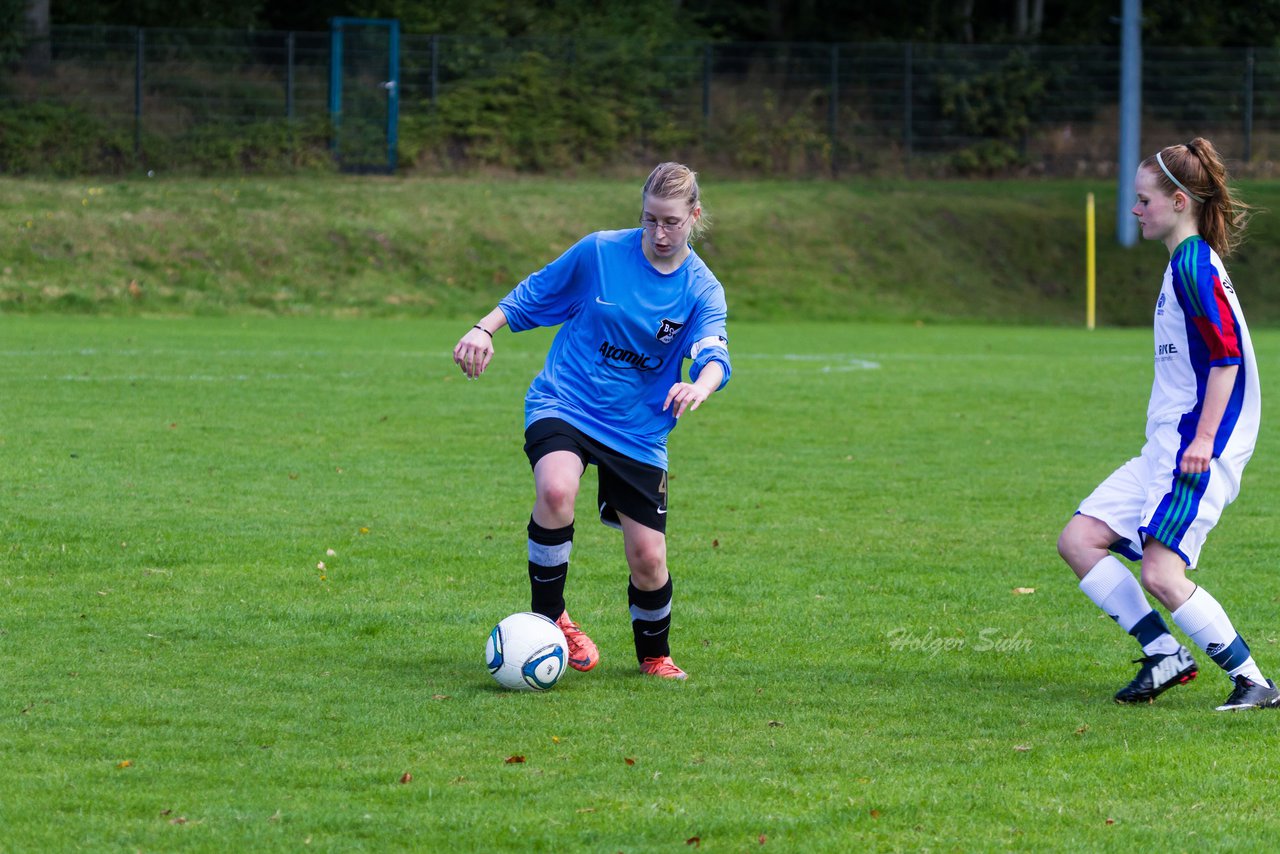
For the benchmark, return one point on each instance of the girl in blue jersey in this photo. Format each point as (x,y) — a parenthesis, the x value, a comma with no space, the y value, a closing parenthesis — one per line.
(632,306)
(1202,424)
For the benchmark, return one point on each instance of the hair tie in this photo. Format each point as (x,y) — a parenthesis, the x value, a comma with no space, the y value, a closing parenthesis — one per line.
(1175,181)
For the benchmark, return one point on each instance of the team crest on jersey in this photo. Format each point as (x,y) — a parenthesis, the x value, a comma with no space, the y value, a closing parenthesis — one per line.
(667,331)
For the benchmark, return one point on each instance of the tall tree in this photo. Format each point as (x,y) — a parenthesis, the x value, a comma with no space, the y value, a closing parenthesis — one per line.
(237,14)
(1082,22)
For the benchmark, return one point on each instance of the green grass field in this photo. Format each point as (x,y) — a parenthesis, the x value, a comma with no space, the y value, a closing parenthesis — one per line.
(849,521)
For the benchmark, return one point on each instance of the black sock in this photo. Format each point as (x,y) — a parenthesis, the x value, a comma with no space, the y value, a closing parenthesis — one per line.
(548,565)
(650,620)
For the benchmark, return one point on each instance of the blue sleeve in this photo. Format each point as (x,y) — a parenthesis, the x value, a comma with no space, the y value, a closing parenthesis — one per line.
(710,337)
(717,353)
(553,294)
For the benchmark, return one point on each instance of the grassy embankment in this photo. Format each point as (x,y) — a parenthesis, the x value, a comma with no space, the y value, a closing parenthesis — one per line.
(897,251)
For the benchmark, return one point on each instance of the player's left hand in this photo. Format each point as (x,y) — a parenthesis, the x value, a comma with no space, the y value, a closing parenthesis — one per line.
(685,396)
(1195,459)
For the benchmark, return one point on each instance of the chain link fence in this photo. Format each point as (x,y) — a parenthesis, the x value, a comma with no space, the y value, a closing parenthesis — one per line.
(168,98)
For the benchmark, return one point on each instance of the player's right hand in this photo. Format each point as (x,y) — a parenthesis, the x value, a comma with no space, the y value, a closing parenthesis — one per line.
(473,352)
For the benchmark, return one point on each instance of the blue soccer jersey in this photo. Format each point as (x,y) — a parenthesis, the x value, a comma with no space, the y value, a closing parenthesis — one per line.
(626,330)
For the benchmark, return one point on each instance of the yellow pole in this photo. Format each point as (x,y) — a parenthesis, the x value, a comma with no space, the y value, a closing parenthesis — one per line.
(1091,265)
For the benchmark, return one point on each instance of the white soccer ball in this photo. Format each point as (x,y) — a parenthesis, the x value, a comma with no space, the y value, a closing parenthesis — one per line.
(526,652)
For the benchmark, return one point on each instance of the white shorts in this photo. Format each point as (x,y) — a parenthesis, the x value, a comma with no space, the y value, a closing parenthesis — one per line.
(1146,497)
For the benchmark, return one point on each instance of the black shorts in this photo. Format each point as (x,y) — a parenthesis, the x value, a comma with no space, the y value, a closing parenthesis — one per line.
(637,490)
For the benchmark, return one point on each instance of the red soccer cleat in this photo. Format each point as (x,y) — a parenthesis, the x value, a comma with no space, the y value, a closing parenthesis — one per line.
(583,654)
(663,666)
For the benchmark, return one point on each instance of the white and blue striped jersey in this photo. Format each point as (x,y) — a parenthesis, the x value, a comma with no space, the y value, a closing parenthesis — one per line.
(625,331)
(1199,325)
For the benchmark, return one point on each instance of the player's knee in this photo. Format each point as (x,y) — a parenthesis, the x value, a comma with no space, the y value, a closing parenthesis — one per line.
(1073,542)
(558,498)
(647,561)
(1065,544)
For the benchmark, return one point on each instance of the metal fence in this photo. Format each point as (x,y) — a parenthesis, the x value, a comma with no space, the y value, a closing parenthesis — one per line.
(768,108)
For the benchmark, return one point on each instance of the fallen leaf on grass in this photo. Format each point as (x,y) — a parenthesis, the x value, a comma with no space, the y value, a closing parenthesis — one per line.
(441,697)
(1023,591)
(1111,821)
(763,839)
(695,841)
(1022,748)
(776,723)
(514,760)
(1082,729)
(406,777)
(125,763)
(182,819)
(555,739)
(628,760)
(586,809)
(274,816)
(875,813)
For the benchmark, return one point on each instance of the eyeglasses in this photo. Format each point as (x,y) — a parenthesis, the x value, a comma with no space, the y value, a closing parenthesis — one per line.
(665,227)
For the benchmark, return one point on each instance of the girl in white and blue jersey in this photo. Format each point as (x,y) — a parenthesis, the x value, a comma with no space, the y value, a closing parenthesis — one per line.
(1202,424)
(632,307)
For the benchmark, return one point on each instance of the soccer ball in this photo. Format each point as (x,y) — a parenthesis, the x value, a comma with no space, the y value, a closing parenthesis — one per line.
(526,652)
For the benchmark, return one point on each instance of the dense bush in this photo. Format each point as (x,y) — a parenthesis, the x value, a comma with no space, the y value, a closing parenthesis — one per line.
(60,140)
(531,116)
(278,147)
(55,139)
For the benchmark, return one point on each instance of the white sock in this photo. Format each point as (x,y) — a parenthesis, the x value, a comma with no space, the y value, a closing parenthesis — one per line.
(1206,623)
(1113,588)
